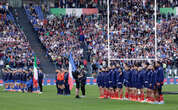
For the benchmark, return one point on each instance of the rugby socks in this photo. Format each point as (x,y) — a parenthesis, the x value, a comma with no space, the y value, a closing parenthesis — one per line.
(106,93)
(126,95)
(131,96)
(161,98)
(152,99)
(142,97)
(158,99)
(121,95)
(136,97)
(116,95)
(112,94)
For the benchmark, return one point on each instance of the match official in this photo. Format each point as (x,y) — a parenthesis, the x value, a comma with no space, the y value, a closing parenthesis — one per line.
(40,80)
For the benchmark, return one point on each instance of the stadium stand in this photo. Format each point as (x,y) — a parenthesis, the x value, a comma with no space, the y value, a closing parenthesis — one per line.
(15,49)
(59,35)
(131,31)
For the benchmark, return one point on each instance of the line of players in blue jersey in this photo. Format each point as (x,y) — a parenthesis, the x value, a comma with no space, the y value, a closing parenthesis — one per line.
(18,80)
(136,78)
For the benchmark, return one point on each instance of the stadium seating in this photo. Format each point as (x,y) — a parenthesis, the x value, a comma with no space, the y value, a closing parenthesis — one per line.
(60,35)
(16,50)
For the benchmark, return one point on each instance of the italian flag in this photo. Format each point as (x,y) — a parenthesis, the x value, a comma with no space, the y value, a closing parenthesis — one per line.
(73,11)
(35,74)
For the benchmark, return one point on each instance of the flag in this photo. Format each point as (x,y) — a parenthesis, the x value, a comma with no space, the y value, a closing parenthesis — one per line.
(35,74)
(72,68)
(73,11)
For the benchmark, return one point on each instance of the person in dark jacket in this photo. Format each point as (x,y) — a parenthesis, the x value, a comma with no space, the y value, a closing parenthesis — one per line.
(83,82)
(80,78)
(66,84)
(127,80)
(76,77)
(40,80)
(100,83)
(119,83)
(159,82)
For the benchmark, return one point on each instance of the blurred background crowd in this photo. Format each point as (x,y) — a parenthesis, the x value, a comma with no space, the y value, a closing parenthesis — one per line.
(131,26)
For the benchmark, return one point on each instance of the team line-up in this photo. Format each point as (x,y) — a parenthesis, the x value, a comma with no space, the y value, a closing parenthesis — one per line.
(137,79)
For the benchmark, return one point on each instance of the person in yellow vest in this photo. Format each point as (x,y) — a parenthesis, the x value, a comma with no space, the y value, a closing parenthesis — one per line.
(60,81)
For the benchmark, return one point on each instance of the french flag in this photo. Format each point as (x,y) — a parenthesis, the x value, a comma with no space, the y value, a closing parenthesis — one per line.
(72,68)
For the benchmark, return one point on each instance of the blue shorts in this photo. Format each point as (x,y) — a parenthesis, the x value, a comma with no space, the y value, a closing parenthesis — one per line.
(111,85)
(131,85)
(152,87)
(114,84)
(119,85)
(106,85)
(159,87)
(18,81)
(146,85)
(134,84)
(127,84)
(6,82)
(11,81)
(61,82)
(99,84)
(102,85)
(23,82)
(139,86)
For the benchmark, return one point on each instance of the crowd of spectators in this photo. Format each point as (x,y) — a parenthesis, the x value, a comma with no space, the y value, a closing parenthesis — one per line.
(15,49)
(80,3)
(167,3)
(132,32)
(167,37)
(35,15)
(61,35)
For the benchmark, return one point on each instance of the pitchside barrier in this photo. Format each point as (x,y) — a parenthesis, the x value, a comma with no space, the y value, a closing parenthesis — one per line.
(92,81)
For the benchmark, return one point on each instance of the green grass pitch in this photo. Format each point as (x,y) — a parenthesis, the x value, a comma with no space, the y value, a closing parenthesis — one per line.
(50,101)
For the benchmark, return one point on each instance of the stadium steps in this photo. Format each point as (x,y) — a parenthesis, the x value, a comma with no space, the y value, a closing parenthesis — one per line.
(33,38)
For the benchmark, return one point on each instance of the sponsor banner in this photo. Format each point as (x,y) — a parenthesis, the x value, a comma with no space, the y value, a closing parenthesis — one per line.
(89,11)
(165,81)
(92,81)
(171,81)
(168,10)
(1,82)
(58,11)
(74,11)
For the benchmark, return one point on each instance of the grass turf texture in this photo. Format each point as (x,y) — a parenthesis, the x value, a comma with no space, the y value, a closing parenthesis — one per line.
(50,101)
